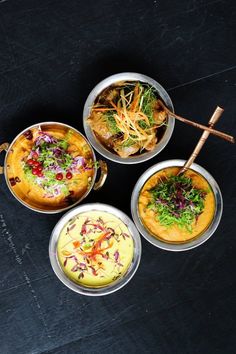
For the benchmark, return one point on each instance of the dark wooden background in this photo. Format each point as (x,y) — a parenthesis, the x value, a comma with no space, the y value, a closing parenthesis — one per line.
(52,53)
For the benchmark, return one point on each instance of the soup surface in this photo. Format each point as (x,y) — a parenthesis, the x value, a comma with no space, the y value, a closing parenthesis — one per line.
(95,248)
(179,212)
(50,167)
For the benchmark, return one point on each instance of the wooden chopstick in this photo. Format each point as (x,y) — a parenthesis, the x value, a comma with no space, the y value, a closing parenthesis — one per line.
(218,133)
(214,118)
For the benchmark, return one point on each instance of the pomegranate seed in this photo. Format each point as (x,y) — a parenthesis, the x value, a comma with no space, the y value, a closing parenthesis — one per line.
(40,168)
(30,162)
(36,164)
(35,171)
(69,175)
(40,174)
(59,176)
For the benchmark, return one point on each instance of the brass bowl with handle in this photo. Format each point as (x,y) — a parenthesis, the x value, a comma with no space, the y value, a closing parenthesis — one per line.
(27,193)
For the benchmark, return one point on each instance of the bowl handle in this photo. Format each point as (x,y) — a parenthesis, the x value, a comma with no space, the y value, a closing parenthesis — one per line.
(3,147)
(103,175)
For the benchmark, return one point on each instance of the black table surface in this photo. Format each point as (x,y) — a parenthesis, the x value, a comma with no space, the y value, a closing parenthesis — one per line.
(52,54)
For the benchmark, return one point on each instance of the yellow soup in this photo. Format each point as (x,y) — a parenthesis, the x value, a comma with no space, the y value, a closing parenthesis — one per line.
(95,248)
(175,233)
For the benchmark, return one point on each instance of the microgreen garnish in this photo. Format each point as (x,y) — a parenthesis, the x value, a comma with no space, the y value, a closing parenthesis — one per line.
(176,201)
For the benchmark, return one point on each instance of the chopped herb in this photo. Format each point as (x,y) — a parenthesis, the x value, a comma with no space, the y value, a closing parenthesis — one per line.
(148,102)
(63,144)
(143,124)
(111,122)
(96,164)
(129,142)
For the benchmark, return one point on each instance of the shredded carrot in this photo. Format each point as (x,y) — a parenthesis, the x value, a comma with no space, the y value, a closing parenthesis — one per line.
(100,109)
(96,250)
(130,119)
(113,105)
(76,244)
(135,98)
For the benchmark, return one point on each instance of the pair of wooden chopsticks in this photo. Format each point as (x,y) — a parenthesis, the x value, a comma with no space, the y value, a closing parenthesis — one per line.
(208,128)
(207,131)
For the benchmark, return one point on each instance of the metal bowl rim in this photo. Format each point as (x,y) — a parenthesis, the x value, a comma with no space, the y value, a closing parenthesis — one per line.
(110,288)
(109,81)
(189,244)
(56,210)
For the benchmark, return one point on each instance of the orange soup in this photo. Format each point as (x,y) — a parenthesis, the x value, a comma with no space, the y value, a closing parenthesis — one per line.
(176,209)
(50,167)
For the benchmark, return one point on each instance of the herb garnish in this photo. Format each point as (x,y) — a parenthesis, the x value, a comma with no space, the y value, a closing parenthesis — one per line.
(177,201)
(111,123)
(51,166)
(127,118)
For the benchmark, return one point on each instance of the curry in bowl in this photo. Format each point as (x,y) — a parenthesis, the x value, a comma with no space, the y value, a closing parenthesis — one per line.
(176,209)
(49,167)
(95,248)
(127,119)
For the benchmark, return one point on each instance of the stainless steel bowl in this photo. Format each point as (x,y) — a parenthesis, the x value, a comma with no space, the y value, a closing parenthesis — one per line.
(112,287)
(127,76)
(188,244)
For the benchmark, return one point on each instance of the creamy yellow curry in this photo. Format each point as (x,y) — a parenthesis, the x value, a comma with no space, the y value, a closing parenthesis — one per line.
(50,167)
(176,209)
(95,248)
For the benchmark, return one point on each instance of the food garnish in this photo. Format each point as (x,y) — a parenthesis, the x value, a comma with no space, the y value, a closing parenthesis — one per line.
(127,118)
(93,247)
(175,200)
(50,165)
